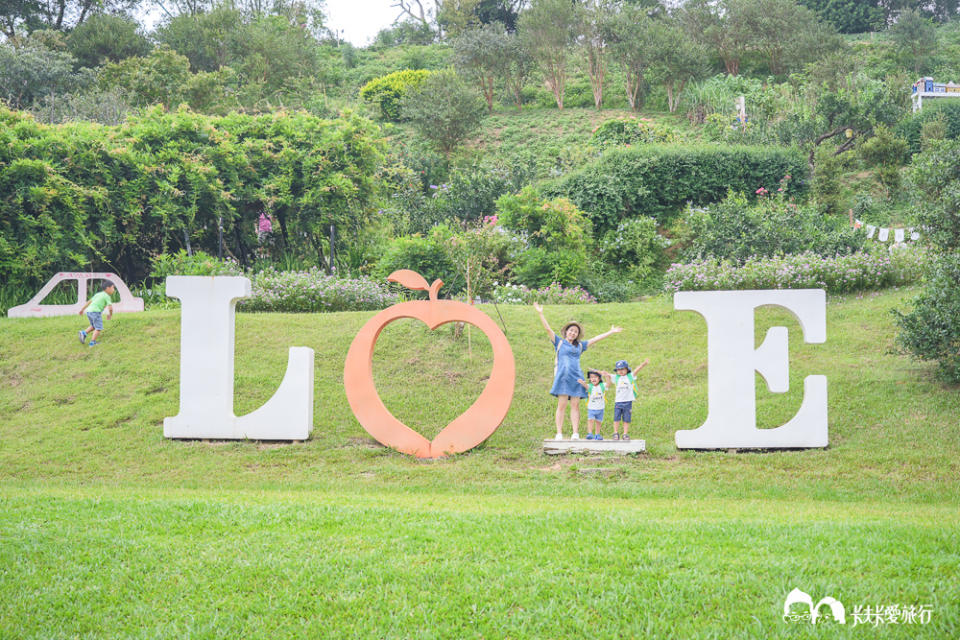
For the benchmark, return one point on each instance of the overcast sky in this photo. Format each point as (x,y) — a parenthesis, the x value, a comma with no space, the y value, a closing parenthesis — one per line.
(358,21)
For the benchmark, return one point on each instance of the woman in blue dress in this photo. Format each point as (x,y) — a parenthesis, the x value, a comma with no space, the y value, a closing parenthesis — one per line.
(568,347)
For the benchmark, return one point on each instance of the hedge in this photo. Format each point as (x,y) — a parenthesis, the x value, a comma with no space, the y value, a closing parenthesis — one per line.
(85,196)
(658,181)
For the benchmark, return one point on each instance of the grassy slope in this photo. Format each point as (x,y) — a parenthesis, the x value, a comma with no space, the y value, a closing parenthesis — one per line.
(108,528)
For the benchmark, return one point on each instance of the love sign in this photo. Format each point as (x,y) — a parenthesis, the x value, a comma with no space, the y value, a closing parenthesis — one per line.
(207,364)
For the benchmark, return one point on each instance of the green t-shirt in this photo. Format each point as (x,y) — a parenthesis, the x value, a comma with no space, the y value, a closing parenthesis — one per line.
(99,302)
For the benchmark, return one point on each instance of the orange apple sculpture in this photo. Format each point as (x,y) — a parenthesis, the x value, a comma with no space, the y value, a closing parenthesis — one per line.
(471,427)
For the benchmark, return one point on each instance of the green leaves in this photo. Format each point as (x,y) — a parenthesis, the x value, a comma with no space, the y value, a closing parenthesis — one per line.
(84,196)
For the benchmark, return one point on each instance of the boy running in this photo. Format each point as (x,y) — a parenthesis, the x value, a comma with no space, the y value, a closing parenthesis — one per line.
(102,300)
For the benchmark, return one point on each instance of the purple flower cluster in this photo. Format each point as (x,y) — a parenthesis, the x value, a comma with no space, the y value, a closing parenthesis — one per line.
(839,274)
(313,290)
(554,294)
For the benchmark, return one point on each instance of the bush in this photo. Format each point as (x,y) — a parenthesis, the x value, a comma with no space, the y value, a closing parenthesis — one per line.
(198,264)
(443,110)
(472,191)
(946,111)
(32,71)
(634,249)
(736,230)
(840,274)
(658,181)
(550,224)
(555,293)
(387,92)
(429,256)
(888,153)
(929,330)
(557,235)
(627,131)
(538,267)
(312,291)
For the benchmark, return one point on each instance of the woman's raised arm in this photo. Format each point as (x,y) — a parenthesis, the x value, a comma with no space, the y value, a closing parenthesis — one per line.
(614,329)
(543,321)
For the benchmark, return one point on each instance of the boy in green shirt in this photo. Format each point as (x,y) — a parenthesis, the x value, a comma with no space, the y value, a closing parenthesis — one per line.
(102,300)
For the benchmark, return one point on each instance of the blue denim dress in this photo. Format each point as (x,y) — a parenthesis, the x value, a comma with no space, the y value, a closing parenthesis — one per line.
(568,369)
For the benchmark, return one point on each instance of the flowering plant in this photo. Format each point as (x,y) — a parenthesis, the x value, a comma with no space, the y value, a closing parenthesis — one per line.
(838,274)
(313,290)
(554,294)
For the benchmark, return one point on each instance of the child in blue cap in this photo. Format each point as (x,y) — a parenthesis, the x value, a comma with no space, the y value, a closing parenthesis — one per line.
(626,392)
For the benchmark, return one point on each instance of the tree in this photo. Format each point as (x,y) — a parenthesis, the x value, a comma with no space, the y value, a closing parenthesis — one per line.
(17,16)
(786,34)
(629,32)
(593,17)
(852,109)
(676,60)
(32,71)
(848,16)
(443,110)
(517,67)
(106,38)
(482,53)
(210,40)
(915,38)
(720,26)
(548,29)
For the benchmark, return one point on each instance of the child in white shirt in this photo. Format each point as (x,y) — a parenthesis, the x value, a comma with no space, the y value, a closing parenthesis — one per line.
(626,390)
(596,403)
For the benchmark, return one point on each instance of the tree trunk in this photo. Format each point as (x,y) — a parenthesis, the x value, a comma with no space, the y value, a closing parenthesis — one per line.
(732,65)
(487,83)
(633,84)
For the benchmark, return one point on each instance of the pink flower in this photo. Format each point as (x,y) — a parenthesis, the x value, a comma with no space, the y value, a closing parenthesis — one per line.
(264,224)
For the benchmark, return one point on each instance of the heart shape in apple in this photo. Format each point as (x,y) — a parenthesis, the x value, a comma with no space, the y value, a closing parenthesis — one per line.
(471,427)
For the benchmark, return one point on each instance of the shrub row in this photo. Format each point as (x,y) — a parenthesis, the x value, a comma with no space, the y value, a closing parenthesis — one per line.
(313,290)
(840,274)
(658,181)
(85,196)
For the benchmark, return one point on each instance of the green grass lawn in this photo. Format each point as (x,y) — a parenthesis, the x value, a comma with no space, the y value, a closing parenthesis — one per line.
(109,530)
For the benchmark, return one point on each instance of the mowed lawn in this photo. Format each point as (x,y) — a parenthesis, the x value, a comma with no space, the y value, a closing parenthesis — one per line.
(109,530)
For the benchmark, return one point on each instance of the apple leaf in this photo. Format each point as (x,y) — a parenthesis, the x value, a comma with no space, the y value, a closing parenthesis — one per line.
(409,279)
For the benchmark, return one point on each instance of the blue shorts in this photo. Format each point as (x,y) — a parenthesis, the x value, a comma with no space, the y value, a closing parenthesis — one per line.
(622,411)
(595,414)
(96,319)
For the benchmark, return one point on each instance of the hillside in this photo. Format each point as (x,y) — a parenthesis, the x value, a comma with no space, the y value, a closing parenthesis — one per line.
(340,536)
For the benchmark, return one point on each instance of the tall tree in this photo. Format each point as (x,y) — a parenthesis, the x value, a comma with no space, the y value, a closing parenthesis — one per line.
(849,16)
(593,17)
(915,38)
(517,67)
(720,26)
(676,59)
(785,33)
(481,53)
(548,29)
(17,16)
(630,32)
(105,38)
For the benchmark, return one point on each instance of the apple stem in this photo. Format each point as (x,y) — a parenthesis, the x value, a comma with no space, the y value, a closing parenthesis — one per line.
(435,289)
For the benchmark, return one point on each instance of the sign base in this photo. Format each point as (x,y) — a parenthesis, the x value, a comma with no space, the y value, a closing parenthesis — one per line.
(620,447)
